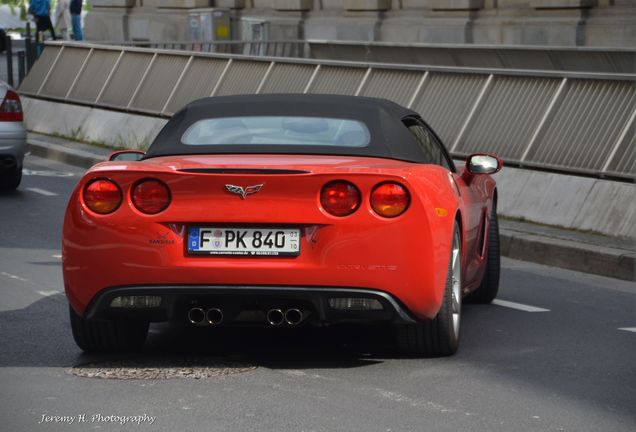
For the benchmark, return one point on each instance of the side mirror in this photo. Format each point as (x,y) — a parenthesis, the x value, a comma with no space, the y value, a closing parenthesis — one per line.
(483,164)
(127,155)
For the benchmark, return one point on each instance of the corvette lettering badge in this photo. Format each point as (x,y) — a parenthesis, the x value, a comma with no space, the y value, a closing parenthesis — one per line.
(244,192)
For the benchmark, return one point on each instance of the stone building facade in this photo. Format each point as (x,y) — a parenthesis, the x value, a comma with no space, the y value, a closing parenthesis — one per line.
(598,23)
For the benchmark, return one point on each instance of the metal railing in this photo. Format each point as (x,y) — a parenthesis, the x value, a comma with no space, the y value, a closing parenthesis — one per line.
(269,48)
(24,57)
(573,59)
(580,123)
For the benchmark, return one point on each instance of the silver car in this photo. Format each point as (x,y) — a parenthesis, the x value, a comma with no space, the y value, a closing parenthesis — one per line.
(12,138)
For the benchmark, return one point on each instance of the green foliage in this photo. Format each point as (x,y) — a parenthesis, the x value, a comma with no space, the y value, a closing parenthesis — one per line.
(12,3)
(22,4)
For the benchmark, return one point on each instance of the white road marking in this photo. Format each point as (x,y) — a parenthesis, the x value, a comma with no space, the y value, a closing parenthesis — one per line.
(42,191)
(519,306)
(48,293)
(10,276)
(30,172)
(56,256)
(400,398)
(629,329)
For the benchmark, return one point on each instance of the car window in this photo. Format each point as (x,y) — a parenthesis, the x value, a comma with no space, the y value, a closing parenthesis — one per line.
(282,130)
(430,146)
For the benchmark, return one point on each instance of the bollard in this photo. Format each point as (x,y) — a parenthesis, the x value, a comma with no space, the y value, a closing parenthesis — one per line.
(21,66)
(28,46)
(9,60)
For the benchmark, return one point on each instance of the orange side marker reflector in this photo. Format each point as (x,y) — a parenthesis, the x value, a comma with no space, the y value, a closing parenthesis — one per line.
(441,212)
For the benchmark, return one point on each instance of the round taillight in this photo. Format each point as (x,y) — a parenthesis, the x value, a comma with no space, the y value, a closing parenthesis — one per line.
(340,198)
(390,199)
(151,196)
(102,196)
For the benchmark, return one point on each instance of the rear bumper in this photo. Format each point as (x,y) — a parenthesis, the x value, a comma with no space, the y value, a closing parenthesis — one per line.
(240,302)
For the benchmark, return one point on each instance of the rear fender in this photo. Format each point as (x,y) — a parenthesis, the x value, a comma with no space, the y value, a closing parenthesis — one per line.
(438,199)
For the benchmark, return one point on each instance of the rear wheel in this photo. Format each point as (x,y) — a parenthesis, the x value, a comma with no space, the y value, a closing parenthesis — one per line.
(10,179)
(489,287)
(107,336)
(440,336)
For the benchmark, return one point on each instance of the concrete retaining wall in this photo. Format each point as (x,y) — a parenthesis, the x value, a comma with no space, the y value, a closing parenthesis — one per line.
(110,128)
(572,202)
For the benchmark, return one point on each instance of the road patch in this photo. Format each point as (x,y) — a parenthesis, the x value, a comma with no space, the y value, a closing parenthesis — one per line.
(160,368)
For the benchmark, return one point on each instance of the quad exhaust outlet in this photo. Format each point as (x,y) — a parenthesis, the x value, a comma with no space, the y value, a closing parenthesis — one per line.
(277,317)
(214,316)
(200,317)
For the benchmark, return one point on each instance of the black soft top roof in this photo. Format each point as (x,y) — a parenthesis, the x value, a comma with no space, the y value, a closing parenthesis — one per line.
(389,137)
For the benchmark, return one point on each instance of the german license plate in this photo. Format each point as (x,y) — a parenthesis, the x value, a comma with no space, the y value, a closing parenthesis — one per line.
(243,241)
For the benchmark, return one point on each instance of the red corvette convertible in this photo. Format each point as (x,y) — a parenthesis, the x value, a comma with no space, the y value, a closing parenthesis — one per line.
(283,210)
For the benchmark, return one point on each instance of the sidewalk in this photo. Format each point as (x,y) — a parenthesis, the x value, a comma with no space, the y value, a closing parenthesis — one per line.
(573,250)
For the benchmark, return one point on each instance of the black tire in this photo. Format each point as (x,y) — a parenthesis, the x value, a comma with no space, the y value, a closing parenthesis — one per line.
(489,287)
(101,336)
(10,179)
(438,337)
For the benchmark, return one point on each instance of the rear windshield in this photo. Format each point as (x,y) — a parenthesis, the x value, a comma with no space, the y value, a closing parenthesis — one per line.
(283,130)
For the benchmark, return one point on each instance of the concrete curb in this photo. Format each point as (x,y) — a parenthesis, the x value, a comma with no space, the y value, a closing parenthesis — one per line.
(567,254)
(540,249)
(63,154)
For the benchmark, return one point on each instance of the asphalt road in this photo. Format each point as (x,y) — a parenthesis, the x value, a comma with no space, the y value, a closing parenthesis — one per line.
(565,367)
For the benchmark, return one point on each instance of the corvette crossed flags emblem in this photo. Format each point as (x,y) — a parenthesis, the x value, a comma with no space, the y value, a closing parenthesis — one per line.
(244,192)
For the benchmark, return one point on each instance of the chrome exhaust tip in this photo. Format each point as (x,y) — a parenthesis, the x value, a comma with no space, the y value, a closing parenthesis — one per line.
(196,316)
(214,316)
(293,316)
(275,317)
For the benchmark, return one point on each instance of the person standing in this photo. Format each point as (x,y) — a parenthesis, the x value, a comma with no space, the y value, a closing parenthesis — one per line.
(63,17)
(40,9)
(76,18)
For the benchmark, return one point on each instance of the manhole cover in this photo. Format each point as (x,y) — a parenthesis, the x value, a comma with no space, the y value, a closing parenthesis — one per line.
(160,368)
